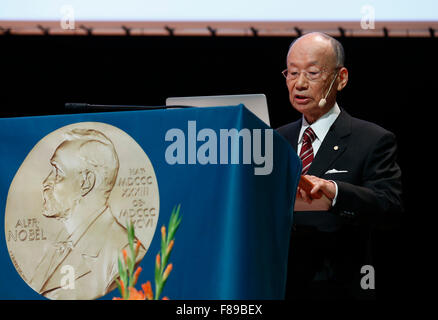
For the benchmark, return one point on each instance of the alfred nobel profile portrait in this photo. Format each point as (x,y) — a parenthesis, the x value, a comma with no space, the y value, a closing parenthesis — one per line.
(76,192)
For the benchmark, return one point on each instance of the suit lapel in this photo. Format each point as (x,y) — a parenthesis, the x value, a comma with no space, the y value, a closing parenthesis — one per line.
(293,132)
(333,145)
(84,256)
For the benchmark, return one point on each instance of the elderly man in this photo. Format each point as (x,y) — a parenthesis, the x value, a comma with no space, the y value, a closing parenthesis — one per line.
(351,161)
(76,192)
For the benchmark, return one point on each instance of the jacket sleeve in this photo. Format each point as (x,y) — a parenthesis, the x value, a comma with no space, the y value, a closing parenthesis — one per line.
(378,199)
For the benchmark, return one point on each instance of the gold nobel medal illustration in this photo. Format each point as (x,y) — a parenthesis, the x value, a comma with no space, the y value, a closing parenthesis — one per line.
(68,205)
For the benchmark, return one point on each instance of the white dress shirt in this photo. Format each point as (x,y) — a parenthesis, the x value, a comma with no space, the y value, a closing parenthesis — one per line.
(321,128)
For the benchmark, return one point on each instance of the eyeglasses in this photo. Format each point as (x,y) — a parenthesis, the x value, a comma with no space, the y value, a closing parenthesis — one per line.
(310,75)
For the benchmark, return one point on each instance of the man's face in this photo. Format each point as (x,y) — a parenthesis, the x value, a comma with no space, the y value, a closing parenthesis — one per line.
(312,55)
(62,187)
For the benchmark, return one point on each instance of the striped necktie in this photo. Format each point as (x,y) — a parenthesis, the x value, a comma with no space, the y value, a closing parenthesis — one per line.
(306,153)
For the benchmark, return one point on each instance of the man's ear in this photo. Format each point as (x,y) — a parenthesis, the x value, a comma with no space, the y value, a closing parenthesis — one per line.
(88,181)
(343,78)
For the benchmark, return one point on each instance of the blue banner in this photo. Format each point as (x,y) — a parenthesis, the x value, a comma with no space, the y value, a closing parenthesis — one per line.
(236,201)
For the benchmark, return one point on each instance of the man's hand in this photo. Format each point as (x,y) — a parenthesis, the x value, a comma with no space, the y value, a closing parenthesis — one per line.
(328,188)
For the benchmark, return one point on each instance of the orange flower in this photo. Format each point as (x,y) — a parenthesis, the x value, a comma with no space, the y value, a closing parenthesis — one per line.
(169,247)
(122,287)
(136,274)
(163,233)
(137,248)
(134,294)
(158,261)
(147,288)
(167,271)
(165,298)
(125,255)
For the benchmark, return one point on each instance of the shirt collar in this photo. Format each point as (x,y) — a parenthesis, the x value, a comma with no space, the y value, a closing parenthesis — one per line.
(322,125)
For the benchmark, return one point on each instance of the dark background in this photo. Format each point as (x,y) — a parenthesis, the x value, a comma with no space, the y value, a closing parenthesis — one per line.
(391,83)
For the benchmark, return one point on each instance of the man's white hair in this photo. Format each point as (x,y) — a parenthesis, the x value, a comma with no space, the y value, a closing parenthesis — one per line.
(338,48)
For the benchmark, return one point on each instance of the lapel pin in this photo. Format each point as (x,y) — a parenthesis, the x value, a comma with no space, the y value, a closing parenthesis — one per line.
(336,147)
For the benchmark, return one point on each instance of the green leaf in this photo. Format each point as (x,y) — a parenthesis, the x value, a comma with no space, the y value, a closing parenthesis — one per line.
(158,289)
(122,271)
(130,271)
(157,273)
(174,222)
(163,251)
(164,263)
(119,264)
(131,236)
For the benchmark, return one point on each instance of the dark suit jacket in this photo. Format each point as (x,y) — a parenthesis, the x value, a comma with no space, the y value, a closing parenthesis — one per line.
(369,194)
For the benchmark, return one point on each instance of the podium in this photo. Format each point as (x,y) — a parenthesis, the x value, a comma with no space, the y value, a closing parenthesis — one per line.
(236,211)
